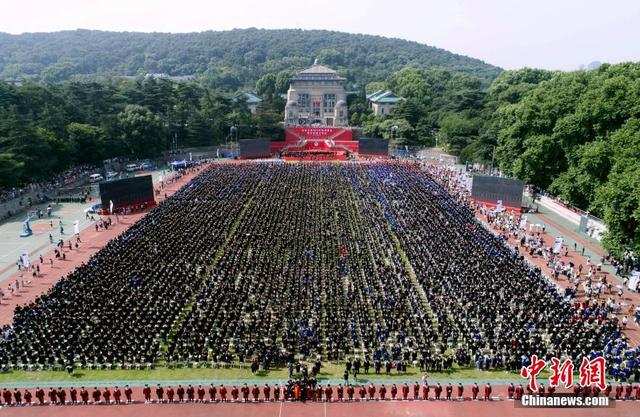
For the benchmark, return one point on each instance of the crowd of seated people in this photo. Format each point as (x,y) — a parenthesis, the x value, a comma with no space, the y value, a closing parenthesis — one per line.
(269,261)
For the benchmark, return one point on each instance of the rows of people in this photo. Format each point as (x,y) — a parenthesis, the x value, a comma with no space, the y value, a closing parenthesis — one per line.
(267,261)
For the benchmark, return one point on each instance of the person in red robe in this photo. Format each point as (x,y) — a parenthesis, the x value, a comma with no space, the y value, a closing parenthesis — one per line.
(460,391)
(255,391)
(127,393)
(487,392)
(372,391)
(362,392)
(146,392)
(106,394)
(328,393)
(627,391)
(607,390)
(40,395)
(619,390)
(637,392)
(191,393)
(53,396)
(180,393)
(234,393)
(171,393)
(382,392)
(223,393)
(340,391)
(266,392)
(160,393)
(350,392)
(319,392)
(474,391)
(17,396)
(510,391)
(405,391)
(276,393)
(73,394)
(27,397)
(212,393)
(394,391)
(117,394)
(438,390)
(201,393)
(84,396)
(425,392)
(62,396)
(245,393)
(416,391)
(96,395)
(449,391)
(519,392)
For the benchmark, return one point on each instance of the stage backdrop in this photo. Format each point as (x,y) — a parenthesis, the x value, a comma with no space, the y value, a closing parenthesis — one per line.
(255,148)
(373,146)
(492,190)
(127,192)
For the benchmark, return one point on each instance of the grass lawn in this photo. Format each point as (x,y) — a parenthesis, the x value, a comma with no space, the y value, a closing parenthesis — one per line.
(329,372)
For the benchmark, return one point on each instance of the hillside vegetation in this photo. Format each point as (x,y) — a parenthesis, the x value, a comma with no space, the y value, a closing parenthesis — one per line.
(227,58)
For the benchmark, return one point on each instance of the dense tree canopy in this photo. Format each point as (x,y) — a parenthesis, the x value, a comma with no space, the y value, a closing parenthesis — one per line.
(47,128)
(228,59)
(576,134)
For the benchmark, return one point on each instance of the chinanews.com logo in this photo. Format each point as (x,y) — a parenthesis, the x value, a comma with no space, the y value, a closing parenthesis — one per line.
(586,392)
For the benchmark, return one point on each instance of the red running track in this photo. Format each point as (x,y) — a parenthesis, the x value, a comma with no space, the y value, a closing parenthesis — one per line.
(289,409)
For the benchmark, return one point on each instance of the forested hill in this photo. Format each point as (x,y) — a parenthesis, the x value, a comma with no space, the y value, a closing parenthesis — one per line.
(229,58)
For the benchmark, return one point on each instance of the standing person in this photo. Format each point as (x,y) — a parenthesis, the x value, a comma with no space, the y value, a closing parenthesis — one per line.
(84,396)
(116,395)
(170,394)
(127,393)
(425,391)
(449,391)
(475,390)
(146,392)
(40,395)
(223,393)
(160,394)
(212,393)
(96,395)
(266,392)
(200,393)
(73,394)
(180,393)
(106,394)
(487,392)
(460,391)
(27,397)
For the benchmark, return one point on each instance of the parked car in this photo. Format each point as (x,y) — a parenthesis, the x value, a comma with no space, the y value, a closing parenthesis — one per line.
(96,178)
(132,167)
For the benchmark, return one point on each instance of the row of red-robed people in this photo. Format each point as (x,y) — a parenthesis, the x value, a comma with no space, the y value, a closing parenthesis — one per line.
(620,392)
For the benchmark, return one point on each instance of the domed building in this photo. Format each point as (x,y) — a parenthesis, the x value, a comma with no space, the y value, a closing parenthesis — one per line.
(317,96)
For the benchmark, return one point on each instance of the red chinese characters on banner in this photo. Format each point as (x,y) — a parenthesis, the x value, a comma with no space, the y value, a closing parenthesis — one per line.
(531,372)
(561,374)
(592,372)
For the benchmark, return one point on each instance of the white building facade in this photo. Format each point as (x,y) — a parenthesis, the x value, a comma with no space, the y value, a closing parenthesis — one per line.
(317,96)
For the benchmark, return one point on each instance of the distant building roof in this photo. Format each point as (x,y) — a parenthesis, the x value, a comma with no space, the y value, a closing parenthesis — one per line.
(387,97)
(317,72)
(250,98)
